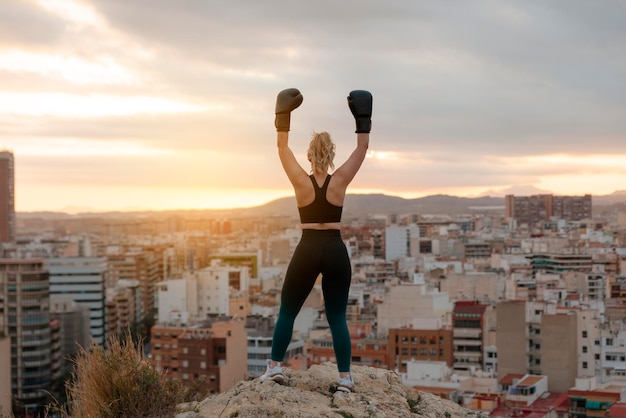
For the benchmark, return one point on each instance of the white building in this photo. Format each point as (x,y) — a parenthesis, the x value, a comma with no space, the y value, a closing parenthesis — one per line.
(613,353)
(173,301)
(83,278)
(200,293)
(213,287)
(401,241)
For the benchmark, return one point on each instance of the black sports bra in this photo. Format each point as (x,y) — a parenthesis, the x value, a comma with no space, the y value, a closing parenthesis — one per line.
(320,210)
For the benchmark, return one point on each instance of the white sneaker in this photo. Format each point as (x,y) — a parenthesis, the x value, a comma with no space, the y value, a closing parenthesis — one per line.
(273,373)
(346,384)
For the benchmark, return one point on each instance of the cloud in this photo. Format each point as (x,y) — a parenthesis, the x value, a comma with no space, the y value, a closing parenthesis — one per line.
(466,95)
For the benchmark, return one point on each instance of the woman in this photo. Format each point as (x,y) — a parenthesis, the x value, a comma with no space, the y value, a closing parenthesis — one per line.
(319,197)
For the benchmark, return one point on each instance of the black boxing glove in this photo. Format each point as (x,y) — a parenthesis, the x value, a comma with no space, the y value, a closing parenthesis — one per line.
(360,103)
(286,101)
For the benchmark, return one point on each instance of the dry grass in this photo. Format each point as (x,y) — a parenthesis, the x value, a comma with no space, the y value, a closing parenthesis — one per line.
(120,383)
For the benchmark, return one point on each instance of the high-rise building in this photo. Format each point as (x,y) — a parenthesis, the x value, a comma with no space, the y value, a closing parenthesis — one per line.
(7,197)
(25,313)
(73,323)
(83,279)
(5,378)
(144,267)
(537,208)
(470,322)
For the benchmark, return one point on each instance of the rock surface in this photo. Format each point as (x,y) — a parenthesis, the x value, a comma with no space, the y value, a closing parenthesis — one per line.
(379,393)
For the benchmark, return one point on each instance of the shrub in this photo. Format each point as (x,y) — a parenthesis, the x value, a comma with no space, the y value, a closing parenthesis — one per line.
(120,383)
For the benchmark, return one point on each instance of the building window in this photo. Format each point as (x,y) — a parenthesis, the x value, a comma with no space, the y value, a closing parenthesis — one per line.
(584,364)
(185,363)
(203,364)
(584,348)
(584,334)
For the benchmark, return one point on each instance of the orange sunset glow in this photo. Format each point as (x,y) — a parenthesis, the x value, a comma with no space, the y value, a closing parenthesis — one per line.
(115,106)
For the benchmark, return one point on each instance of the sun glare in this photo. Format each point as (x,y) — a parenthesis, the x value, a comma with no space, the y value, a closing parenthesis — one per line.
(382,155)
(35,197)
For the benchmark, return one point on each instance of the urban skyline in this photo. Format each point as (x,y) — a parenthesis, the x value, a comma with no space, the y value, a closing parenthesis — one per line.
(108,106)
(476,308)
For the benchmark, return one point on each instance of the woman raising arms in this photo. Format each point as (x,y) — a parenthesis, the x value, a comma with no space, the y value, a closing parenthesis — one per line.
(321,250)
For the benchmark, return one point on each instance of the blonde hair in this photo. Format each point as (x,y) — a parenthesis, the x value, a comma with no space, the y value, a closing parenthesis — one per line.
(321,152)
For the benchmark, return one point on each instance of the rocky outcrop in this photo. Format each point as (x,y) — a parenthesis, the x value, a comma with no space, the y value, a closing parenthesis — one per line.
(379,393)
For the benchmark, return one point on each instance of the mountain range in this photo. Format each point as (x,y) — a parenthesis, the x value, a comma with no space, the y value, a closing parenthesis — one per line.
(359,205)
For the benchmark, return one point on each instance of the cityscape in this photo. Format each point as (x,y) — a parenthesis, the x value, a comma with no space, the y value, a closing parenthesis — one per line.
(144,205)
(505,310)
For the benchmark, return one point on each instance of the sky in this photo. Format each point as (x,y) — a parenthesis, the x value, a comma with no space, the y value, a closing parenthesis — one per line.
(158,105)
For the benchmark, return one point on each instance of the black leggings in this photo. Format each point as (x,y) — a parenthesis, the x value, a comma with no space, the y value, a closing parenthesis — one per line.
(319,251)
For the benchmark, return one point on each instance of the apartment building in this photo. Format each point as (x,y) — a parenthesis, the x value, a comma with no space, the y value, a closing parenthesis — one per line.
(401,241)
(476,249)
(5,377)
(73,327)
(541,338)
(419,344)
(7,197)
(371,352)
(589,400)
(260,332)
(82,278)
(143,267)
(122,302)
(512,338)
(613,352)
(470,321)
(25,313)
(214,349)
(559,350)
(405,302)
(540,208)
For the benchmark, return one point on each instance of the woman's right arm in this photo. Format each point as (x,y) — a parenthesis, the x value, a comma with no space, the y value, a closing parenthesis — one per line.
(360,104)
(344,174)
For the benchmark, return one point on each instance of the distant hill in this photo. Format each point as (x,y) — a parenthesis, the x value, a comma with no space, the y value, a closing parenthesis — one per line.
(373,204)
(357,205)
